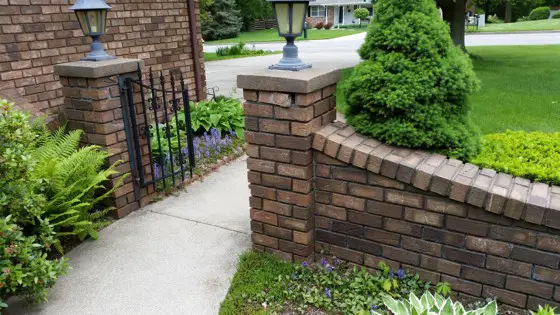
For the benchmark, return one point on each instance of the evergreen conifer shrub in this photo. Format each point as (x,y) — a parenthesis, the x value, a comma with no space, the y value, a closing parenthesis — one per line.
(225,21)
(411,89)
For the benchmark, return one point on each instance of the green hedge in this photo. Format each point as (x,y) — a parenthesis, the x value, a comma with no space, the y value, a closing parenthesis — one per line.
(556,15)
(533,155)
(540,13)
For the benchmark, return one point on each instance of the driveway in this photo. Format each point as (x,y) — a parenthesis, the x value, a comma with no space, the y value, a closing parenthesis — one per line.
(338,53)
(176,256)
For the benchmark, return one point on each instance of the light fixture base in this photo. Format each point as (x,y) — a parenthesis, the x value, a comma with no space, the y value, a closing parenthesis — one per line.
(280,66)
(97,53)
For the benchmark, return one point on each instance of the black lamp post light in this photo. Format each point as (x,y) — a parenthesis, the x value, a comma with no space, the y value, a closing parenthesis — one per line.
(92,15)
(290,16)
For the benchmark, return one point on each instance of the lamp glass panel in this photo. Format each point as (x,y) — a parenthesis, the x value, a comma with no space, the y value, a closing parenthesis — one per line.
(283,17)
(298,14)
(81,15)
(103,21)
(94,18)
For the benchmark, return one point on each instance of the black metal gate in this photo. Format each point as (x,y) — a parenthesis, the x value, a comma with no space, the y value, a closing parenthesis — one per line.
(157,122)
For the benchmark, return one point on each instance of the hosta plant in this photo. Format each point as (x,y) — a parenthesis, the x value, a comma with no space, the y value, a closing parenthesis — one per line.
(432,304)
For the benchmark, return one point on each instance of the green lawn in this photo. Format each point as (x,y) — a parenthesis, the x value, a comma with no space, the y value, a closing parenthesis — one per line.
(212,56)
(272,36)
(541,25)
(519,88)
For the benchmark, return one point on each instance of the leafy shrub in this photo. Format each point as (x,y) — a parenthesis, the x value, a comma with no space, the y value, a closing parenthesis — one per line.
(252,10)
(73,179)
(238,50)
(540,13)
(361,13)
(556,15)
(319,25)
(328,26)
(546,310)
(26,269)
(411,89)
(533,155)
(223,114)
(436,304)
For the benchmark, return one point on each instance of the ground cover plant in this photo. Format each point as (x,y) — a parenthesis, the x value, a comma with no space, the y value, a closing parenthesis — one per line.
(411,89)
(49,190)
(265,285)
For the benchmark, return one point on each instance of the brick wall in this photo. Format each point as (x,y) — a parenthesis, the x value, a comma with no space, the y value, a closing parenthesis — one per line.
(311,21)
(365,217)
(37,34)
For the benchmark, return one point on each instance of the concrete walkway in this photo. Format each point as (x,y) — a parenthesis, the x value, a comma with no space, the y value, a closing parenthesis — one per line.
(176,256)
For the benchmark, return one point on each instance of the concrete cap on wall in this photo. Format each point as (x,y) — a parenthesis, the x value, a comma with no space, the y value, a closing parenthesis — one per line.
(97,69)
(305,81)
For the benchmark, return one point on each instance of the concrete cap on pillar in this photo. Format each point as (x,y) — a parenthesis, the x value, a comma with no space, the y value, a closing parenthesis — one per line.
(97,69)
(305,81)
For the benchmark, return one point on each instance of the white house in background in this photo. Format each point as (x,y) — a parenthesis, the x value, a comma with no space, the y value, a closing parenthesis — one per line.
(337,12)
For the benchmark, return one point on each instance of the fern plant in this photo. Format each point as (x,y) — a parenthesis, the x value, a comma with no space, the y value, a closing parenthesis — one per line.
(73,181)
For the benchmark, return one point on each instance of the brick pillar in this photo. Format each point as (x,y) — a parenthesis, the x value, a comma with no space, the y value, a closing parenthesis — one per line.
(282,111)
(92,103)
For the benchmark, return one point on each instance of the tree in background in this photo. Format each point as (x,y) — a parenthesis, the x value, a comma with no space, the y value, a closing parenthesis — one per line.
(252,10)
(411,89)
(361,13)
(512,10)
(223,20)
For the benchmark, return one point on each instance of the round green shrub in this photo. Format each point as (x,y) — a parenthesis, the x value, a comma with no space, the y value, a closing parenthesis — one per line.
(533,155)
(556,15)
(411,89)
(540,13)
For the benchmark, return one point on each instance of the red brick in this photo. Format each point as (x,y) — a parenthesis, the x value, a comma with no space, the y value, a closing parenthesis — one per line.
(464,256)
(276,98)
(421,246)
(546,275)
(278,232)
(515,235)
(274,126)
(280,254)
(303,237)
(349,174)
(505,296)
(446,206)
(295,171)
(252,150)
(302,186)
(276,181)
(259,138)
(306,129)
(549,242)
(331,185)
(429,276)
(264,217)
(349,202)
(264,240)
(261,165)
(263,192)
(330,211)
(254,177)
(373,261)
(302,200)
(257,227)
(443,237)
(423,217)
(295,224)
(303,114)
(302,157)
(401,255)
(385,209)
(533,303)
(293,142)
(347,254)
(321,158)
(275,154)
(506,265)
(365,219)
(466,226)
(364,246)
(250,95)
(441,265)
(529,286)
(330,237)
(308,99)
(277,207)
(404,198)
(258,110)
(535,257)
(255,202)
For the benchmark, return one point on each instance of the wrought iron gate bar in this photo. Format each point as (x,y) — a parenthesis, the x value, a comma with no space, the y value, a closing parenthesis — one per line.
(171,162)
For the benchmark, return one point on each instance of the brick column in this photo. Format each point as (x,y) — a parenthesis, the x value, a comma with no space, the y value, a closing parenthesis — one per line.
(92,103)
(283,109)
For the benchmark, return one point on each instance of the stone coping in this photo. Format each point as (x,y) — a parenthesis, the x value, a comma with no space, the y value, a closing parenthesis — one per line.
(498,193)
(97,69)
(305,81)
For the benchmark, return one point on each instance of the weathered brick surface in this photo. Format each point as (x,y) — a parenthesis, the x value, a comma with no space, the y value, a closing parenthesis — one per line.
(487,234)
(37,35)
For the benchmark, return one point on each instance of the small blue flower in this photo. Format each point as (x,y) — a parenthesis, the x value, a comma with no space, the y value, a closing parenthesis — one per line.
(294,276)
(392,274)
(328,293)
(324,262)
(400,274)
(305,264)
(336,261)
(373,307)
(330,268)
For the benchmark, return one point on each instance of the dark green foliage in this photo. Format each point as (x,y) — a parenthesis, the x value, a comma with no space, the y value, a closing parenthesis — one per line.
(239,50)
(533,155)
(252,10)
(224,20)
(540,13)
(556,15)
(26,269)
(411,89)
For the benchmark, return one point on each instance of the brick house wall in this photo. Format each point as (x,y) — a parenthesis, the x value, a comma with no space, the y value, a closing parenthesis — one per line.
(37,34)
(311,21)
(488,234)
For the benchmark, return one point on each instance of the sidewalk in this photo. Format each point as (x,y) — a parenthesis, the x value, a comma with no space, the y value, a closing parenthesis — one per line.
(176,256)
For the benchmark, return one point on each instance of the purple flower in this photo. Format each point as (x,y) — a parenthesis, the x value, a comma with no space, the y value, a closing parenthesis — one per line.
(400,274)
(156,171)
(294,276)
(324,262)
(330,268)
(391,275)
(373,307)
(336,261)
(328,293)
(305,264)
